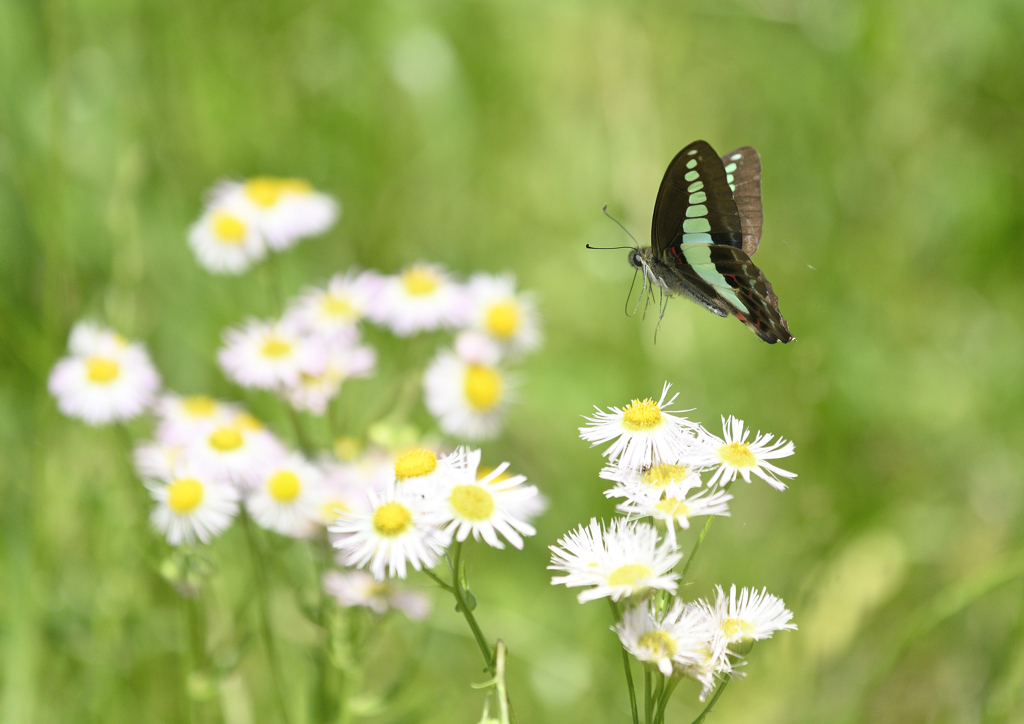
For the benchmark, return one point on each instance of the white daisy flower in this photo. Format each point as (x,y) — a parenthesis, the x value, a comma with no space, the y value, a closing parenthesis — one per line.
(674,638)
(522,507)
(468,399)
(621,561)
(644,433)
(751,616)
(476,347)
(238,448)
(106,379)
(156,459)
(735,456)
(675,511)
(287,498)
(713,665)
(420,299)
(334,311)
(484,507)
(358,588)
(192,505)
(396,533)
(182,419)
(265,355)
(313,392)
(284,209)
(507,317)
(226,239)
(657,481)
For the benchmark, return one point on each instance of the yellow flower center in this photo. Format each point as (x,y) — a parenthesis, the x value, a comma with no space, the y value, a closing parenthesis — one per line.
(226,439)
(472,502)
(295,186)
(663,475)
(736,629)
(276,347)
(246,421)
(228,229)
(503,319)
(659,643)
(264,191)
(332,508)
(392,520)
(415,464)
(284,486)
(628,575)
(737,455)
(184,495)
(483,387)
(346,448)
(199,406)
(420,281)
(334,306)
(641,415)
(102,370)
(673,507)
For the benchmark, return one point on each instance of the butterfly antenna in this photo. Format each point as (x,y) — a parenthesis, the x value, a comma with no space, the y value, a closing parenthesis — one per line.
(604,209)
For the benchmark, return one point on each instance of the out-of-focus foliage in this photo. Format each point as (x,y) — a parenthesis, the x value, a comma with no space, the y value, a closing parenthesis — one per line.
(487,135)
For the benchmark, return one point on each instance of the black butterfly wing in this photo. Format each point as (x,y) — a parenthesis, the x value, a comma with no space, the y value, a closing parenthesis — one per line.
(695,203)
(743,173)
(698,237)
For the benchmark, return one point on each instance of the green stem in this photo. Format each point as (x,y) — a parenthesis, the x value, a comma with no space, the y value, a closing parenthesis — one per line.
(707,710)
(261,597)
(648,696)
(626,668)
(460,597)
(300,435)
(696,547)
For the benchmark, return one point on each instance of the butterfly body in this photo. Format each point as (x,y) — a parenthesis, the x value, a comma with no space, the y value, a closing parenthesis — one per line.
(707,225)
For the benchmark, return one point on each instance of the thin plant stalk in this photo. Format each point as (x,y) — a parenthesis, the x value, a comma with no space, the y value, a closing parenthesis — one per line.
(261,597)
(711,704)
(627,669)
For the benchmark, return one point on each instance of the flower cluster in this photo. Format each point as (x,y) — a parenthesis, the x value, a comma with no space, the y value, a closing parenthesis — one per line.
(244,220)
(427,502)
(657,461)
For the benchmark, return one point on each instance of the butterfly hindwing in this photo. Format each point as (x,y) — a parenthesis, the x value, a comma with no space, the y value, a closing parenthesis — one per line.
(740,288)
(743,173)
(695,202)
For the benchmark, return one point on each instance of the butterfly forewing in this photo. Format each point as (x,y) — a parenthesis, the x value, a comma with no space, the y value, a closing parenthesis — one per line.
(743,173)
(695,202)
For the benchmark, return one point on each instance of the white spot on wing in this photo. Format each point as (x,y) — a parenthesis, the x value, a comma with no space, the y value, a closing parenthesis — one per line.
(691,176)
(699,257)
(697,238)
(696,226)
(692,163)
(698,198)
(736,157)
(696,210)
(692,152)
(695,186)
(731,168)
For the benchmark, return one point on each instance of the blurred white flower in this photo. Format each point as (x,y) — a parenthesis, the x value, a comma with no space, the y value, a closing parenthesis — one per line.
(644,433)
(284,210)
(181,419)
(334,311)
(418,471)
(106,379)
(313,392)
(238,448)
(192,505)
(674,638)
(507,317)
(620,561)
(398,532)
(343,490)
(420,299)
(468,399)
(266,355)
(484,507)
(226,238)
(735,456)
(358,588)
(287,497)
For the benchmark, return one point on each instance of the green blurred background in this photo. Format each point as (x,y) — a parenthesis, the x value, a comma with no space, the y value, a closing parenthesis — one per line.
(487,135)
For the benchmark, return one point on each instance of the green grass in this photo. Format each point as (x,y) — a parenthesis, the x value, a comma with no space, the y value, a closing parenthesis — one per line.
(892,143)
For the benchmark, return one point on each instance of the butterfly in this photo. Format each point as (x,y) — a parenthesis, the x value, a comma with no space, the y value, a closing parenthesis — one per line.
(707,225)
